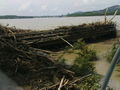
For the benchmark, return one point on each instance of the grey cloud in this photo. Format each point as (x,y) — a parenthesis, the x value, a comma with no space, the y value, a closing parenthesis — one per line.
(52,7)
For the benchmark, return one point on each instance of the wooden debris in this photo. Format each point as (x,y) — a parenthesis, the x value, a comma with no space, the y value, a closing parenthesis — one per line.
(52,38)
(23,59)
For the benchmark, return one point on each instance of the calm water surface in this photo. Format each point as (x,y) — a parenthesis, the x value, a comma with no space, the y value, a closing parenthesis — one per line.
(51,23)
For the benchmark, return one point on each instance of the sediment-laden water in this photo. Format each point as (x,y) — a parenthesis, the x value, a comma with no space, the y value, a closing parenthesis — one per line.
(51,23)
(102,65)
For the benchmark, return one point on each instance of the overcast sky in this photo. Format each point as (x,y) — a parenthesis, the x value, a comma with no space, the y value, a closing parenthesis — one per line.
(51,7)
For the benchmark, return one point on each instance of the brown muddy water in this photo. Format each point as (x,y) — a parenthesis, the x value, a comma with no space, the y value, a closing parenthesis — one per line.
(102,65)
(51,23)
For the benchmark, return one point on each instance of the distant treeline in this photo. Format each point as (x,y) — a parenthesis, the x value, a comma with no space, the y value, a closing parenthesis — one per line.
(91,14)
(14,17)
(110,11)
(23,17)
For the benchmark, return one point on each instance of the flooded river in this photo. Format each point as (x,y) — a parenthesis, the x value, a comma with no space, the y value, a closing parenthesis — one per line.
(51,23)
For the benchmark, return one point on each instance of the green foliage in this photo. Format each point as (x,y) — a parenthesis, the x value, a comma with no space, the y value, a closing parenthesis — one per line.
(82,66)
(92,14)
(111,11)
(79,45)
(84,51)
(90,83)
(14,17)
(113,50)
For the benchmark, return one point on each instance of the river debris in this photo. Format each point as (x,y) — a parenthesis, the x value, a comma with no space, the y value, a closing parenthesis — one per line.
(52,38)
(23,59)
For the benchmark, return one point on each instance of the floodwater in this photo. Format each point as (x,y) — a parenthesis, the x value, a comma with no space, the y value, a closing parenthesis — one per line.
(51,23)
(102,65)
(7,84)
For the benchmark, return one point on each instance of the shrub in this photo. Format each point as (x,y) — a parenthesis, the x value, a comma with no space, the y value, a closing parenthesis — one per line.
(84,51)
(90,83)
(113,50)
(82,66)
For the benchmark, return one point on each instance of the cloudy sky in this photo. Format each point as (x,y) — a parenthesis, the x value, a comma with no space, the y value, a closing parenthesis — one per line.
(51,7)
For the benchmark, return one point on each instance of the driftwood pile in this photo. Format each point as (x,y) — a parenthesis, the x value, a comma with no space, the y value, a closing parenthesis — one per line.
(30,66)
(52,38)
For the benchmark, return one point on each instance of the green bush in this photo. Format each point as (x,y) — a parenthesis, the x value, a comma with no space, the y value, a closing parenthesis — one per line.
(84,51)
(82,66)
(90,83)
(113,50)
(80,45)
